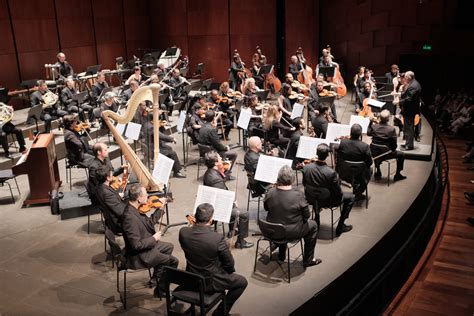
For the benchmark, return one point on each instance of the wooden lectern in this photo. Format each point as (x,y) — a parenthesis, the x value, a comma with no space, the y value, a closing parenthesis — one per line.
(40,163)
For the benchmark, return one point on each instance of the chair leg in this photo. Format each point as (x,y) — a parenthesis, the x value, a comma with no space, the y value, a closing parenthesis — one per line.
(125,289)
(367,196)
(197,176)
(388,175)
(332,224)
(289,261)
(11,192)
(88,221)
(17,187)
(248,201)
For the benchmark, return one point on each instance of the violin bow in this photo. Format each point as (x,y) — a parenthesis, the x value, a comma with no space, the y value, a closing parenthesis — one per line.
(236,219)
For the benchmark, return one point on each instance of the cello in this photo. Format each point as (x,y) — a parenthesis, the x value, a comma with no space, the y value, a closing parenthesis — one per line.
(341,88)
(271,82)
(305,76)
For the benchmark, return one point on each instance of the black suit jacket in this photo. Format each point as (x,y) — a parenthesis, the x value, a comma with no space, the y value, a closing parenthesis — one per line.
(213,178)
(140,244)
(208,136)
(320,124)
(354,150)
(74,146)
(288,207)
(321,183)
(112,205)
(207,254)
(313,101)
(294,70)
(66,97)
(36,98)
(410,99)
(251,161)
(383,134)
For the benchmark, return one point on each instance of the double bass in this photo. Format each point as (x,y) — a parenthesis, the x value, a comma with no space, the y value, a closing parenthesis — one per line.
(341,88)
(306,76)
(271,82)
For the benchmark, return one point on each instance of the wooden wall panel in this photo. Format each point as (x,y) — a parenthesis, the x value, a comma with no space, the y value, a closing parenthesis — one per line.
(210,51)
(108,52)
(81,57)
(137,26)
(9,76)
(207,17)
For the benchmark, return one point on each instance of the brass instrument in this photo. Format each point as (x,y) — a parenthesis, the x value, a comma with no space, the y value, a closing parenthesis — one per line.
(49,99)
(6,113)
(142,94)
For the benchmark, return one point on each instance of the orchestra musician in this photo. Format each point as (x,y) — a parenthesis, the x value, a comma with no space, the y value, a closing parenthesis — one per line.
(176,84)
(207,254)
(77,147)
(354,149)
(7,128)
(255,70)
(71,105)
(366,93)
(384,134)
(327,54)
(215,177)
(249,88)
(299,125)
(410,105)
(358,76)
(62,67)
(113,206)
(223,106)
(295,67)
(49,113)
(320,121)
(323,189)
(287,206)
(137,76)
(251,161)
(108,104)
(284,102)
(257,110)
(394,73)
(317,91)
(99,85)
(143,244)
(236,69)
(325,62)
(127,94)
(275,129)
(208,136)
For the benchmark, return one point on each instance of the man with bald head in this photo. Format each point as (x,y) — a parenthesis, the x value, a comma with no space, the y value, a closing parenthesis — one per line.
(62,67)
(251,161)
(295,68)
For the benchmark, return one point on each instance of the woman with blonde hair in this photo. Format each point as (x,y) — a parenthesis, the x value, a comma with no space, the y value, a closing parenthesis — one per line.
(274,129)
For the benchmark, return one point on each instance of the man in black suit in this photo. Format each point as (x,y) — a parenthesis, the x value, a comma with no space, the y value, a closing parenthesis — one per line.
(77,147)
(215,177)
(99,85)
(208,136)
(354,149)
(410,105)
(323,188)
(320,122)
(286,205)
(384,134)
(142,243)
(251,161)
(112,204)
(207,254)
(295,67)
(62,67)
(49,113)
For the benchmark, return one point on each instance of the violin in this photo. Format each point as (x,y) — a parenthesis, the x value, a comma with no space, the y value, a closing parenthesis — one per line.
(326,93)
(227,165)
(296,95)
(154,202)
(120,183)
(82,126)
(191,219)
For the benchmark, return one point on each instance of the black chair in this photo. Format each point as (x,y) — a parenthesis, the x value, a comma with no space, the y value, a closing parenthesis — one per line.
(276,234)
(318,206)
(122,264)
(6,175)
(379,153)
(192,290)
(255,190)
(70,164)
(203,149)
(349,170)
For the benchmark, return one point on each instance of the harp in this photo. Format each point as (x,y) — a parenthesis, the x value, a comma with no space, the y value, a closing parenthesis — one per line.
(150,93)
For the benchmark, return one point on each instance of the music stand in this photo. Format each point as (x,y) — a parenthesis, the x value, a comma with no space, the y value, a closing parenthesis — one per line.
(206,84)
(80,97)
(92,70)
(327,101)
(102,94)
(262,95)
(163,97)
(200,69)
(35,113)
(327,71)
(266,69)
(171,51)
(4,95)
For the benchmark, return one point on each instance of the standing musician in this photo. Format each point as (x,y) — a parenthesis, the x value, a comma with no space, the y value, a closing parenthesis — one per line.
(7,128)
(207,254)
(358,76)
(275,128)
(323,189)
(50,111)
(320,121)
(99,85)
(236,72)
(215,177)
(384,134)
(354,149)
(137,75)
(71,105)
(327,54)
(101,160)
(410,105)
(113,206)
(295,67)
(394,73)
(208,136)
(287,206)
(256,67)
(142,243)
(62,67)
(77,147)
(251,161)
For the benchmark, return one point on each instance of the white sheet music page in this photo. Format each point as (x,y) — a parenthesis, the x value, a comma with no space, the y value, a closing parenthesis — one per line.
(268,167)
(307,146)
(362,121)
(222,200)
(120,128)
(297,110)
(337,130)
(244,118)
(133,130)
(181,119)
(162,169)
(377,104)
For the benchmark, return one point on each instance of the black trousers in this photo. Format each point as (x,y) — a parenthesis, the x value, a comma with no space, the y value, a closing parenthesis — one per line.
(234,284)
(309,234)
(409,131)
(9,128)
(243,225)
(399,155)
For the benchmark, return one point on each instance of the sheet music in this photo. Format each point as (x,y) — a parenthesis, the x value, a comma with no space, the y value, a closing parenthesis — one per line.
(222,200)
(337,130)
(375,103)
(181,119)
(362,121)
(162,169)
(307,146)
(268,167)
(120,128)
(297,110)
(244,118)
(133,131)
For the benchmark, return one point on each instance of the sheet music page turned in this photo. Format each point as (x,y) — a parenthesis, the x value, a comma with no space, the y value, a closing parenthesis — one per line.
(307,146)
(222,200)
(362,121)
(244,118)
(268,167)
(297,110)
(162,169)
(337,130)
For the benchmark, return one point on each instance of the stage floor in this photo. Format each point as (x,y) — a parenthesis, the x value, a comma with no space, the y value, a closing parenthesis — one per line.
(49,266)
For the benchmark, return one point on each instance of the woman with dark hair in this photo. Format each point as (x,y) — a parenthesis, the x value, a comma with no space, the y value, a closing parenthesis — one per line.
(284,102)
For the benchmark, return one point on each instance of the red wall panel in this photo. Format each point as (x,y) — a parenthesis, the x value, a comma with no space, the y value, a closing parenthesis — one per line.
(210,51)
(207,17)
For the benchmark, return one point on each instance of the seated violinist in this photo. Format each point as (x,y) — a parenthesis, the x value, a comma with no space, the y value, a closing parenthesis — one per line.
(256,117)
(223,106)
(251,161)
(284,103)
(77,146)
(275,128)
(314,100)
(299,125)
(101,160)
(208,136)
(196,120)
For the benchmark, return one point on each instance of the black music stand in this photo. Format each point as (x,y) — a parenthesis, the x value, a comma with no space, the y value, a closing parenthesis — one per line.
(92,70)
(199,69)
(327,71)
(262,95)
(266,69)
(171,51)
(167,224)
(206,84)
(35,113)
(80,97)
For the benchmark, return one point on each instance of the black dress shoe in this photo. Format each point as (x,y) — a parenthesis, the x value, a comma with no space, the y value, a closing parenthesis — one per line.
(243,244)
(179,175)
(399,177)
(22,149)
(343,229)
(313,262)
(378,175)
(7,155)
(359,197)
